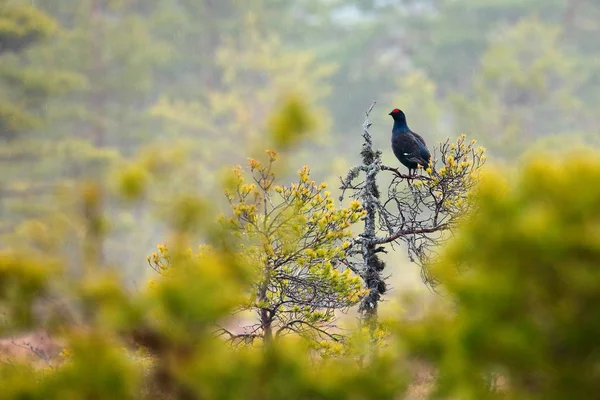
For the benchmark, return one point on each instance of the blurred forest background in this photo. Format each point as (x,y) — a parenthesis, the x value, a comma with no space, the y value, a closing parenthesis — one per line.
(89,86)
(120,118)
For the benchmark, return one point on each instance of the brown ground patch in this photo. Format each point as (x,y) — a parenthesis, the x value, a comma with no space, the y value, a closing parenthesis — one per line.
(36,348)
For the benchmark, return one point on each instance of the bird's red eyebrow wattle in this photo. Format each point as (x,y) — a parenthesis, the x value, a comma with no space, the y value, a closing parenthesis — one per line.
(396,110)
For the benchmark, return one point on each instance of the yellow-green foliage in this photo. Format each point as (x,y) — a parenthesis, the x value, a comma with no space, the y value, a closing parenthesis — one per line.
(221,281)
(95,368)
(258,74)
(290,122)
(293,239)
(522,311)
(525,74)
(13,119)
(21,25)
(174,323)
(527,298)
(293,228)
(452,184)
(21,21)
(22,279)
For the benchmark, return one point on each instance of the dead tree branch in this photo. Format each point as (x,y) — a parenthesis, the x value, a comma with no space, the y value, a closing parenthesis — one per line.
(420,210)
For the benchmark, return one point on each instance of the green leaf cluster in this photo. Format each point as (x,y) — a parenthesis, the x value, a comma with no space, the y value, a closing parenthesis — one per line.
(523,278)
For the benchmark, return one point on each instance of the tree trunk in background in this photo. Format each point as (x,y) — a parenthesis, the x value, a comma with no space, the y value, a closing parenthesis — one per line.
(97,74)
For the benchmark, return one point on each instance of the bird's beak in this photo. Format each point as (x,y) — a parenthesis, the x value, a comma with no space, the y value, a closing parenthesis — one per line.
(389,113)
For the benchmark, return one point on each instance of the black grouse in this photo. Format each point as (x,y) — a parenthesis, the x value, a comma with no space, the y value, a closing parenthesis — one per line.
(408,147)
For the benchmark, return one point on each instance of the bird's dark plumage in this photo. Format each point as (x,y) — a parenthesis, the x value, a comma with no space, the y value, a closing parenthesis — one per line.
(409,147)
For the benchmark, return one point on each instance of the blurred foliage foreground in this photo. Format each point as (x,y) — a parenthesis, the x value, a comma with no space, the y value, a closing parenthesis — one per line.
(519,319)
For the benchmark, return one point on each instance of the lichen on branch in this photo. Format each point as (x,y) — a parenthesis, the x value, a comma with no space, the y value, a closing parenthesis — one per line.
(419,211)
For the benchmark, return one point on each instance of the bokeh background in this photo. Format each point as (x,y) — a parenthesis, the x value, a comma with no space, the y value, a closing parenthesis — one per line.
(104,89)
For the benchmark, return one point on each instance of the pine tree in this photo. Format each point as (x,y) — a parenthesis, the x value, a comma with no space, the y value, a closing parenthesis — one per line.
(519,320)
(23,90)
(294,239)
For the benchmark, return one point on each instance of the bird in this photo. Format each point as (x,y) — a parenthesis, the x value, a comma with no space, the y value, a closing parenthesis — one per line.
(409,147)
